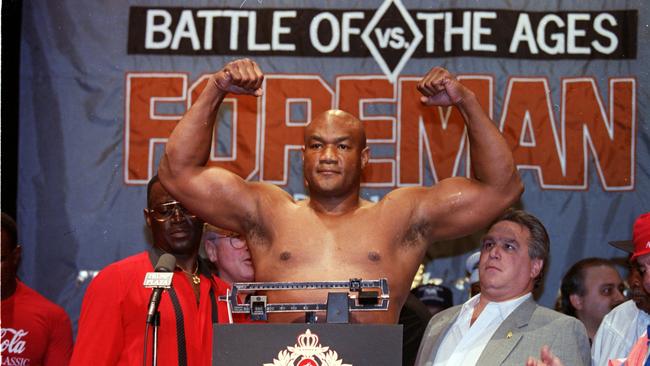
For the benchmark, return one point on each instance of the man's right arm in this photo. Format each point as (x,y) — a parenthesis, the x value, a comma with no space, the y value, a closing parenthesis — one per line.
(217,195)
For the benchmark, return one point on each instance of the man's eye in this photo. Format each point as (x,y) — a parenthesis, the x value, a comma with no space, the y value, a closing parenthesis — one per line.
(164,210)
(343,147)
(315,146)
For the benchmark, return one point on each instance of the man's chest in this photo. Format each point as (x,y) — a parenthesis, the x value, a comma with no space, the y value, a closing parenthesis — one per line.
(24,336)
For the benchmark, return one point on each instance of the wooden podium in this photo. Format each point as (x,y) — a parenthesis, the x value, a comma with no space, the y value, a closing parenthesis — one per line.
(307,345)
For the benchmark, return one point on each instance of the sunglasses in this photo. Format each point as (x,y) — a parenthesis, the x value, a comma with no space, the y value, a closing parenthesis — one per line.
(166,210)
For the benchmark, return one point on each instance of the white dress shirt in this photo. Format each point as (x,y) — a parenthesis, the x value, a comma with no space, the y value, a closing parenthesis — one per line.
(618,332)
(464,343)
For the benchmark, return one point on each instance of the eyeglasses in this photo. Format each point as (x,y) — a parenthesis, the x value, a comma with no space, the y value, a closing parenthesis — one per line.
(165,211)
(238,243)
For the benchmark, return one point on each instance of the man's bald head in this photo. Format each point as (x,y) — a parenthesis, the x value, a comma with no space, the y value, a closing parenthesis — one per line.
(338,119)
(334,155)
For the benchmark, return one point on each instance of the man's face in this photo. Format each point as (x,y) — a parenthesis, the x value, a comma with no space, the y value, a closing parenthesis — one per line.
(10,260)
(505,269)
(640,296)
(603,286)
(231,256)
(334,155)
(174,230)
(643,263)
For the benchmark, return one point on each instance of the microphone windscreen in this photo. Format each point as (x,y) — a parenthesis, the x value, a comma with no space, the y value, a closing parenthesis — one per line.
(166,263)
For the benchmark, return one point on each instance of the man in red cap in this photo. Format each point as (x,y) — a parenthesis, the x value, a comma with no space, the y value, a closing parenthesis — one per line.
(623,325)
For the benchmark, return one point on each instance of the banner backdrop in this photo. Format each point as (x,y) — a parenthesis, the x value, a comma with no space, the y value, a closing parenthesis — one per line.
(103,84)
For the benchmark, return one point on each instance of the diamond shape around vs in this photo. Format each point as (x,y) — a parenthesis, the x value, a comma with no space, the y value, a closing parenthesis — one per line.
(391,37)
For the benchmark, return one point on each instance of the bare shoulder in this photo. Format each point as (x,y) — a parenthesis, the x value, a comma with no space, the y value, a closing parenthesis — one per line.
(270,190)
(271,197)
(441,196)
(447,209)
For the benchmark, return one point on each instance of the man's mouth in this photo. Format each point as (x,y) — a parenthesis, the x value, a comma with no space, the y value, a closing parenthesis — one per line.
(328,172)
(179,233)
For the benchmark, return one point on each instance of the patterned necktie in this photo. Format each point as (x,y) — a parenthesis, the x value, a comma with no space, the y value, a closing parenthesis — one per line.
(180,328)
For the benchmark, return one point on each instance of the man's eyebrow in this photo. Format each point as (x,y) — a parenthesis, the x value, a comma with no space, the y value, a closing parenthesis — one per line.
(321,139)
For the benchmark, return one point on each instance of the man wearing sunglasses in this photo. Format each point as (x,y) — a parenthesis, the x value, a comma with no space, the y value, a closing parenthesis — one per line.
(229,253)
(335,235)
(114,309)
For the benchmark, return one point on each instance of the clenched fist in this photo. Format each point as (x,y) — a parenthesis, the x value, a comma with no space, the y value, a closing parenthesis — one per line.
(240,77)
(440,88)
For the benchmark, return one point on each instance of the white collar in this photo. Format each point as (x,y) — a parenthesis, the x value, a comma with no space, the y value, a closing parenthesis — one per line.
(504,308)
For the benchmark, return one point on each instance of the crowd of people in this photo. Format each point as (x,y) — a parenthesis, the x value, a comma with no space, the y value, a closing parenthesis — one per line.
(251,231)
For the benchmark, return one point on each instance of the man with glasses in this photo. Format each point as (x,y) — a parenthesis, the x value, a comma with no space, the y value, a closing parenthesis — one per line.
(228,251)
(114,309)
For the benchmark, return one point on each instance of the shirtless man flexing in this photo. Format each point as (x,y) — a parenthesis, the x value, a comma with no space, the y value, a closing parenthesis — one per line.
(335,235)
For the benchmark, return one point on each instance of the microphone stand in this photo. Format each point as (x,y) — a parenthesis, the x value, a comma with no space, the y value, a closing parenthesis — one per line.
(154,348)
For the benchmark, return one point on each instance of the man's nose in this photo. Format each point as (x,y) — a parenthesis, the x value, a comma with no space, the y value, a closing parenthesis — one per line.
(177,213)
(495,251)
(328,155)
(618,296)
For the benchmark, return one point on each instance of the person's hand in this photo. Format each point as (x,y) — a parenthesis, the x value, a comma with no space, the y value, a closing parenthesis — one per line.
(440,88)
(547,358)
(240,77)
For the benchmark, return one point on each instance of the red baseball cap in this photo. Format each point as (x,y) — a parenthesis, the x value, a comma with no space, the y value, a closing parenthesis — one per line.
(640,243)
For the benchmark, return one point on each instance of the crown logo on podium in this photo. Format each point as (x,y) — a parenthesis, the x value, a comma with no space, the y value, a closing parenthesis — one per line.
(307,352)
(308,344)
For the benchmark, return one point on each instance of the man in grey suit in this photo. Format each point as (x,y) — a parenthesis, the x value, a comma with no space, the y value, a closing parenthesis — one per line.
(503,325)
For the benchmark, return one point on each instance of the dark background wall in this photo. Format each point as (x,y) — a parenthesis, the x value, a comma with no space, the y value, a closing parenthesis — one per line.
(11,15)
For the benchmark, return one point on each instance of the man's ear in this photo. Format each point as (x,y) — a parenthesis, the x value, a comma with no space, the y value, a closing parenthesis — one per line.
(536,267)
(18,255)
(365,156)
(211,251)
(147,218)
(576,301)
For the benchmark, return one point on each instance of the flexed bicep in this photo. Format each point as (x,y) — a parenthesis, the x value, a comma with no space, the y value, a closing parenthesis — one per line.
(457,207)
(218,196)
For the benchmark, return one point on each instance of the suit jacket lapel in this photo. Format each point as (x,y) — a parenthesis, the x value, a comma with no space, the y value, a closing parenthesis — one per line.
(442,331)
(508,335)
(434,335)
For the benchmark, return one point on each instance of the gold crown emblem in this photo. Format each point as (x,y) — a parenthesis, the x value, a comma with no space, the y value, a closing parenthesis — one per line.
(307,351)
(308,345)
(308,340)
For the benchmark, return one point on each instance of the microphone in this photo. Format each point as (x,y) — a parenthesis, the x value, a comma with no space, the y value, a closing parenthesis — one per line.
(159,281)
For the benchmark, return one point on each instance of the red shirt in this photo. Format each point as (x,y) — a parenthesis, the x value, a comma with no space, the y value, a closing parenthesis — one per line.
(113,317)
(35,331)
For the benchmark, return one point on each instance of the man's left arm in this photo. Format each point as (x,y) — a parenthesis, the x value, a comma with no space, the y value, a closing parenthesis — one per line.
(59,348)
(571,343)
(459,206)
